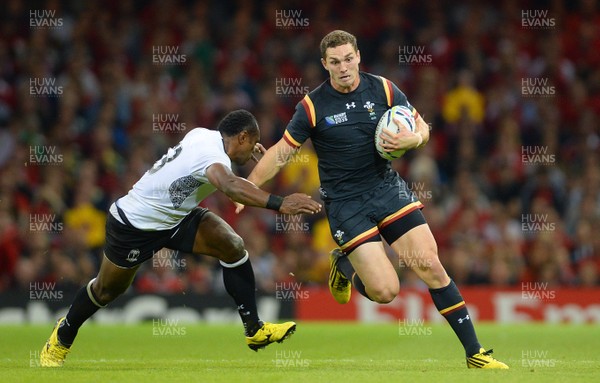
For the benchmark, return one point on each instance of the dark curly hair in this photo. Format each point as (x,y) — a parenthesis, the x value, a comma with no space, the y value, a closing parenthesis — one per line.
(236,122)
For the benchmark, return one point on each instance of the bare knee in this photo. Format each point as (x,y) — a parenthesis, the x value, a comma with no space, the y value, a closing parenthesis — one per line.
(432,272)
(106,294)
(383,294)
(233,249)
(438,272)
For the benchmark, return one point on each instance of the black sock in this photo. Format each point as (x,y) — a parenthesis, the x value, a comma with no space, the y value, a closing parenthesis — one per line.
(345,267)
(359,286)
(347,270)
(451,305)
(81,309)
(239,282)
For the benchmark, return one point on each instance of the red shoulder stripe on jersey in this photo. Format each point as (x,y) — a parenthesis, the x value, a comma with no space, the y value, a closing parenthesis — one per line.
(389,91)
(309,108)
(415,113)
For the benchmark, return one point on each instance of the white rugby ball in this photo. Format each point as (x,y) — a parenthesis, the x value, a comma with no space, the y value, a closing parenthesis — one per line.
(407,121)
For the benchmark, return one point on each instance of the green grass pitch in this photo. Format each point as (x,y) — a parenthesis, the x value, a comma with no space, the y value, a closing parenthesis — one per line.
(317,352)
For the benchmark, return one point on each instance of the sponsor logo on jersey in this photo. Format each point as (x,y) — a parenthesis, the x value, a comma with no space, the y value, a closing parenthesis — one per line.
(336,119)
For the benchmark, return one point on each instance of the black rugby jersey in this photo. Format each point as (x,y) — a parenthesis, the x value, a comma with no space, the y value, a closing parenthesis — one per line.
(342,129)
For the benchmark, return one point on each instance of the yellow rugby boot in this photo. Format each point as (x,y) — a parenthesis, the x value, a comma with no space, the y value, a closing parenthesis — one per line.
(54,353)
(339,285)
(269,333)
(484,359)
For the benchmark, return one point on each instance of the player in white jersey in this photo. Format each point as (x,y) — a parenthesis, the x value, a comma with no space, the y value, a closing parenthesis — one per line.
(161,211)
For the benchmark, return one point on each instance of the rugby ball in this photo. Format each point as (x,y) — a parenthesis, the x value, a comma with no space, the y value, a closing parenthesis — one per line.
(407,121)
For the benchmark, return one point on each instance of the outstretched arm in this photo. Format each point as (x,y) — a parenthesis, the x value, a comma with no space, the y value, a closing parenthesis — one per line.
(243,191)
(273,160)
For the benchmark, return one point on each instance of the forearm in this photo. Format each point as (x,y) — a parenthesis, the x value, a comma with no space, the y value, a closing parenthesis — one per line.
(245,192)
(423,131)
(269,165)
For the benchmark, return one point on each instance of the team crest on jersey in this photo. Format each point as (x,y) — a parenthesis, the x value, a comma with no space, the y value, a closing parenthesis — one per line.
(133,255)
(370,107)
(336,119)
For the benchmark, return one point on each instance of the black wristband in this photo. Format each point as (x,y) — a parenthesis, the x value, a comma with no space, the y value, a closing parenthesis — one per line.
(274,202)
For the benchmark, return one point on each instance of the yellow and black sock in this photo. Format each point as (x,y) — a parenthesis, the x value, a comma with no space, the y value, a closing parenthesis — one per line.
(451,305)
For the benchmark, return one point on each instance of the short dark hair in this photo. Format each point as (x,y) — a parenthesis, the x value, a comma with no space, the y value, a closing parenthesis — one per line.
(335,39)
(236,122)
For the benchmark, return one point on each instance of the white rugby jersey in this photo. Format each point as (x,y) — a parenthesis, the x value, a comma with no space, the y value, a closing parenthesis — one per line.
(175,184)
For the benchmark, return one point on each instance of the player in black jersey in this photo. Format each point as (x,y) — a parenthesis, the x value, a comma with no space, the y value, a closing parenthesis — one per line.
(365,199)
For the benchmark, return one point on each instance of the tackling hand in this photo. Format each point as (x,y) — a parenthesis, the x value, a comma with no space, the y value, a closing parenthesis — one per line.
(258,148)
(299,203)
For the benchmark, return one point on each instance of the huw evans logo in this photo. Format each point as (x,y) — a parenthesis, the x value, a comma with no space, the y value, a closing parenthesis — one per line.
(44,291)
(537,19)
(413,327)
(537,87)
(537,223)
(44,18)
(536,358)
(287,223)
(291,156)
(413,259)
(290,87)
(44,223)
(44,87)
(416,190)
(44,155)
(34,358)
(290,291)
(289,358)
(537,155)
(169,259)
(167,55)
(413,55)
(537,291)
(290,19)
(167,327)
(167,122)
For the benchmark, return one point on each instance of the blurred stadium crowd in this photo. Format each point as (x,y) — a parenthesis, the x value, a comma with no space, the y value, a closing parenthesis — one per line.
(510,178)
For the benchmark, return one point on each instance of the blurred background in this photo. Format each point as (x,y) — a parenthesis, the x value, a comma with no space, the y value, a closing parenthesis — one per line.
(92,93)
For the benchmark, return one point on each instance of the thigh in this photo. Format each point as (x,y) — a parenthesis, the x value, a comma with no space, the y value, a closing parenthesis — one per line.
(208,234)
(374,268)
(417,250)
(112,280)
(401,222)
